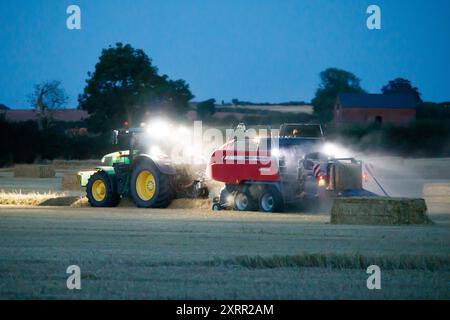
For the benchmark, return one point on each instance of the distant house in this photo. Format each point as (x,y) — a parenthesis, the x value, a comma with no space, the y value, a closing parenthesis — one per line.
(374,108)
(66,115)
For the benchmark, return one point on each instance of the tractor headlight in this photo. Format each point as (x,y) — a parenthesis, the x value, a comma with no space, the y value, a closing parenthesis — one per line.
(336,150)
(330,149)
(159,129)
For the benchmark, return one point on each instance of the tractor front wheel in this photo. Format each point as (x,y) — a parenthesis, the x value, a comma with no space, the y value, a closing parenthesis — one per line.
(100,191)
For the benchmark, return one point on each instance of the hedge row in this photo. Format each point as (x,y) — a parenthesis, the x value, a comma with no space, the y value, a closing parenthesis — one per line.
(22,142)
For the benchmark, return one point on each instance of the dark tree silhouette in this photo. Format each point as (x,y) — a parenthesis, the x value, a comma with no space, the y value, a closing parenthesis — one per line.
(401,85)
(125,86)
(206,108)
(332,82)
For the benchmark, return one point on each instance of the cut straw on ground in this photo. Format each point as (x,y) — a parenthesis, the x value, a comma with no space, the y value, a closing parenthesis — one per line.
(17,198)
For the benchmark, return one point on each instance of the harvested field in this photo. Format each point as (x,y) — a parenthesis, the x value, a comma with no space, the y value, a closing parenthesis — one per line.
(436,190)
(69,181)
(36,199)
(34,171)
(345,261)
(131,253)
(191,204)
(63,199)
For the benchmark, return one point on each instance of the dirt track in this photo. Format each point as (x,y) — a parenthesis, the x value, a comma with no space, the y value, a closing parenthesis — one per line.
(176,253)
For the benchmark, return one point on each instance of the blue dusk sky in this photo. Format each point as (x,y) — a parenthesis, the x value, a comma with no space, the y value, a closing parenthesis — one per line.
(253,50)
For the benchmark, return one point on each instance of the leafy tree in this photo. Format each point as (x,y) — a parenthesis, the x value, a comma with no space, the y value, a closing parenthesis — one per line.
(433,111)
(332,82)
(125,86)
(401,85)
(46,97)
(206,108)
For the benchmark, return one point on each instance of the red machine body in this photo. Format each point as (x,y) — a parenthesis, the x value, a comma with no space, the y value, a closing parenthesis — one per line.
(233,165)
(267,173)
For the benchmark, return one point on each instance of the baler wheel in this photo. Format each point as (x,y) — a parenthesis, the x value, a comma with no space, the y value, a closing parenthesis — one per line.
(243,201)
(271,200)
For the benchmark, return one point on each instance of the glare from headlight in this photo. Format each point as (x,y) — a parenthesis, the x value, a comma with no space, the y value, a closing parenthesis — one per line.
(155,151)
(335,150)
(159,129)
(257,139)
(182,131)
(275,152)
(330,149)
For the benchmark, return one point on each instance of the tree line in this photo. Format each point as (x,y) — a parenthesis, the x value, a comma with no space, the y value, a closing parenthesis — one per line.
(125,87)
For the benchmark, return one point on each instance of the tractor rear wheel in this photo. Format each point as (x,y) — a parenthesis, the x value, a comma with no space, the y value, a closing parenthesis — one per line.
(100,191)
(149,187)
(271,200)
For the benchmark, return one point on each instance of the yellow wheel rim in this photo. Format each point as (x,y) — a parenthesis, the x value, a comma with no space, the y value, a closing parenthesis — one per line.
(145,185)
(98,190)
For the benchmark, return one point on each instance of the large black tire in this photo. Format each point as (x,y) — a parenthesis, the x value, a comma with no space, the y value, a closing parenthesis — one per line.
(101,191)
(243,201)
(158,193)
(271,200)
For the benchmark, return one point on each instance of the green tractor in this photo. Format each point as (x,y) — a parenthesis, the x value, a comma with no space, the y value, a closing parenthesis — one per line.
(151,181)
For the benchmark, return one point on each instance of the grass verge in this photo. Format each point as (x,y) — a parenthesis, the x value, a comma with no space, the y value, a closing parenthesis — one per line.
(324,260)
(354,261)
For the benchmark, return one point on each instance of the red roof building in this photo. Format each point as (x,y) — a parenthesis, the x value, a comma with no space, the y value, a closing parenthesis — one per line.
(352,108)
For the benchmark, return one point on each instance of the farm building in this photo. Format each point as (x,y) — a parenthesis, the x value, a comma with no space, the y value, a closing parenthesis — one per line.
(352,108)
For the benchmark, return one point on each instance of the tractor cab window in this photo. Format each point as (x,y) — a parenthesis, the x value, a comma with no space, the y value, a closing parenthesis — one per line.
(301,131)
